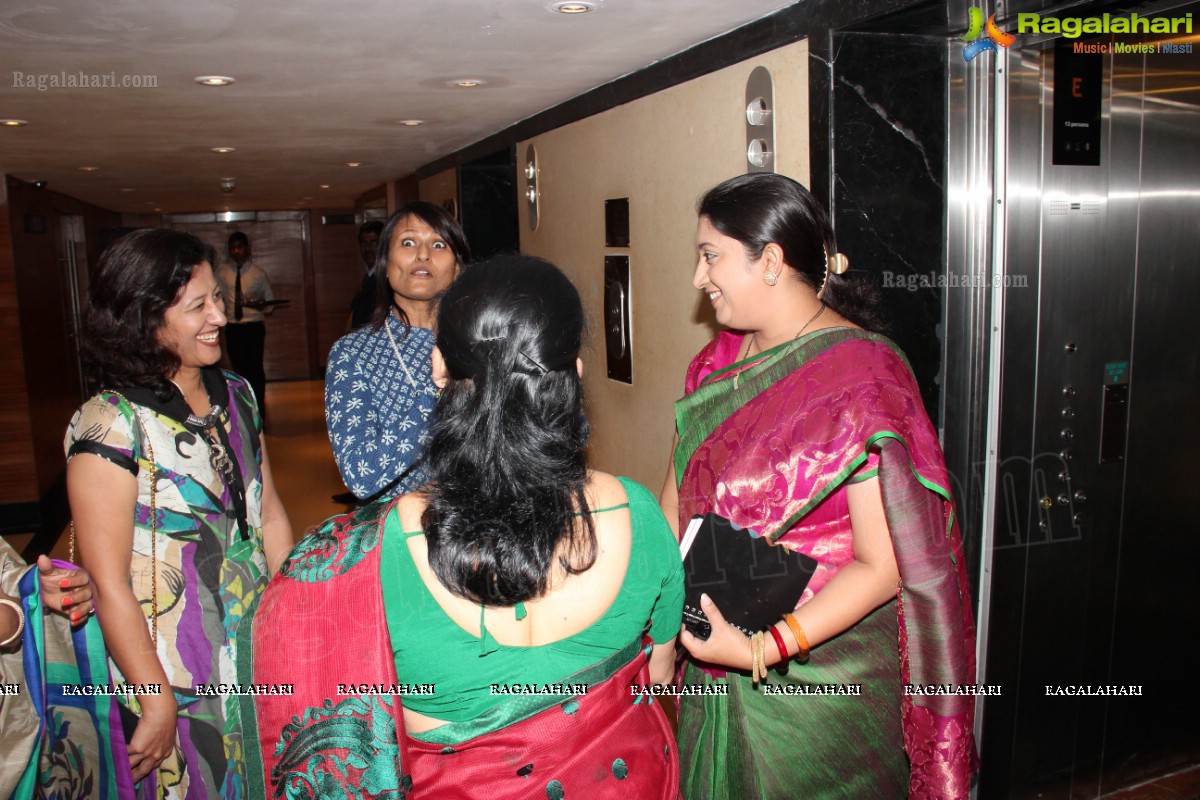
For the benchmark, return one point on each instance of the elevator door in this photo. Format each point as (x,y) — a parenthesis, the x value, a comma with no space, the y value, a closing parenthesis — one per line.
(1093,610)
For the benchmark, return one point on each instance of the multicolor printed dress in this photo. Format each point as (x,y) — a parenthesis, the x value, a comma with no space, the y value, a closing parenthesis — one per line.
(207,553)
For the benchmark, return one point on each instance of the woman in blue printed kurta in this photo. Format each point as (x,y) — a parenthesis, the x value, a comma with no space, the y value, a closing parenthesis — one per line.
(378,390)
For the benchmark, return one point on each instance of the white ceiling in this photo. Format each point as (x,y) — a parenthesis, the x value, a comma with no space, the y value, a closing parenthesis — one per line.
(318,84)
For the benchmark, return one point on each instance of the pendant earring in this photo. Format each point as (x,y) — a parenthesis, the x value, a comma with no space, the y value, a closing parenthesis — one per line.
(770,278)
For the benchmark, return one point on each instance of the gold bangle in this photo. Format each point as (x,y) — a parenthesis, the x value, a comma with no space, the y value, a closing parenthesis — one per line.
(758,657)
(20,621)
(754,658)
(798,632)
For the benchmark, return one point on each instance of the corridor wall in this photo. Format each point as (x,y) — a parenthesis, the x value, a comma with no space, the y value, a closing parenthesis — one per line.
(662,151)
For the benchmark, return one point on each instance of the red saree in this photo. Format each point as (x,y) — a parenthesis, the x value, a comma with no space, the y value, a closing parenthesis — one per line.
(775,455)
(320,629)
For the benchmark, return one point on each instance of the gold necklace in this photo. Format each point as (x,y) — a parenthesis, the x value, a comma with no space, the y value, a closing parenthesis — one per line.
(754,339)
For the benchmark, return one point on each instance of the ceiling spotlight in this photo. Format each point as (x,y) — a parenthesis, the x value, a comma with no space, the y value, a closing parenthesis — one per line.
(214,80)
(224,149)
(14,123)
(574,7)
(324,185)
(353,163)
(89,169)
(412,123)
(468,83)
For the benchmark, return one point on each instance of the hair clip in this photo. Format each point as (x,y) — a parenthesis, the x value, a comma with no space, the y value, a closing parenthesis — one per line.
(837,264)
(541,370)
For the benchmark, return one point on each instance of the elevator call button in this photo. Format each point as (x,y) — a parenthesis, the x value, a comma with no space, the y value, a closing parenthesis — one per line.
(1116,372)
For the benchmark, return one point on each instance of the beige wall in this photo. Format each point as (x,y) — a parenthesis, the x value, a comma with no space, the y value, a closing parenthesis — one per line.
(662,152)
(437,189)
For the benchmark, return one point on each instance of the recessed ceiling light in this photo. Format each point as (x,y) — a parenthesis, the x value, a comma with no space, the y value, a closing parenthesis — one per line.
(353,163)
(224,149)
(468,83)
(214,80)
(573,7)
(89,169)
(14,123)
(127,190)
(412,123)
(324,185)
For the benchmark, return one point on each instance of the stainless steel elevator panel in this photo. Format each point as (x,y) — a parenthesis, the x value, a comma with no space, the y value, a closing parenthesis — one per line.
(1157,611)
(1095,540)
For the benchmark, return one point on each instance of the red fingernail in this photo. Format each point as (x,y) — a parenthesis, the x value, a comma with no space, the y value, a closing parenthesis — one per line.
(66,602)
(75,617)
(65,583)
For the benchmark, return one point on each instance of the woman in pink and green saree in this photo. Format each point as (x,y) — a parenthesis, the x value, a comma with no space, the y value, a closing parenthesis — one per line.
(498,633)
(804,427)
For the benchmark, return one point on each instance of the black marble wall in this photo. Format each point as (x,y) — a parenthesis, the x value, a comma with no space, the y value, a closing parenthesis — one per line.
(887,150)
(487,195)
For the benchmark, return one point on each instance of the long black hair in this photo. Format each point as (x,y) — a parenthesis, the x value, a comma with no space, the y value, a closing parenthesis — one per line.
(761,208)
(140,276)
(507,458)
(443,223)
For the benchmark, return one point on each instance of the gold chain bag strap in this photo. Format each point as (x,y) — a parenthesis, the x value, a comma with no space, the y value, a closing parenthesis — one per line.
(153,519)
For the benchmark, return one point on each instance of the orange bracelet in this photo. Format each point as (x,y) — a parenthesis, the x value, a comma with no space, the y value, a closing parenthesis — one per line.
(798,632)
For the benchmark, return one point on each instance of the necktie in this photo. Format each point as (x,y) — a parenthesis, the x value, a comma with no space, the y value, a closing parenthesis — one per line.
(237,294)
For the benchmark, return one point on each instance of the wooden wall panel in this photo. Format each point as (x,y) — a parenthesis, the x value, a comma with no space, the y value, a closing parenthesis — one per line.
(18,482)
(337,273)
(53,385)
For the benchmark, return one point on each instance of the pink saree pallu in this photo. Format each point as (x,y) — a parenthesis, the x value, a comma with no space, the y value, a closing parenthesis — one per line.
(324,707)
(774,451)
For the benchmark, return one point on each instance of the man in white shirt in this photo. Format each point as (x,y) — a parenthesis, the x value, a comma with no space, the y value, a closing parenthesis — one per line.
(247,292)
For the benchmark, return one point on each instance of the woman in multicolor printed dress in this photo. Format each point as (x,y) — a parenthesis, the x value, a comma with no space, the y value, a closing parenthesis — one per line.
(176,514)
(378,389)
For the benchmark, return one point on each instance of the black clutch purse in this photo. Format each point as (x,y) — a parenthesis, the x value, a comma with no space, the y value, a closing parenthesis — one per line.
(752,581)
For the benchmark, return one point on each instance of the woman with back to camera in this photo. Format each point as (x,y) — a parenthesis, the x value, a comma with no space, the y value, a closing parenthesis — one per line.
(515,577)
(802,425)
(378,391)
(175,510)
